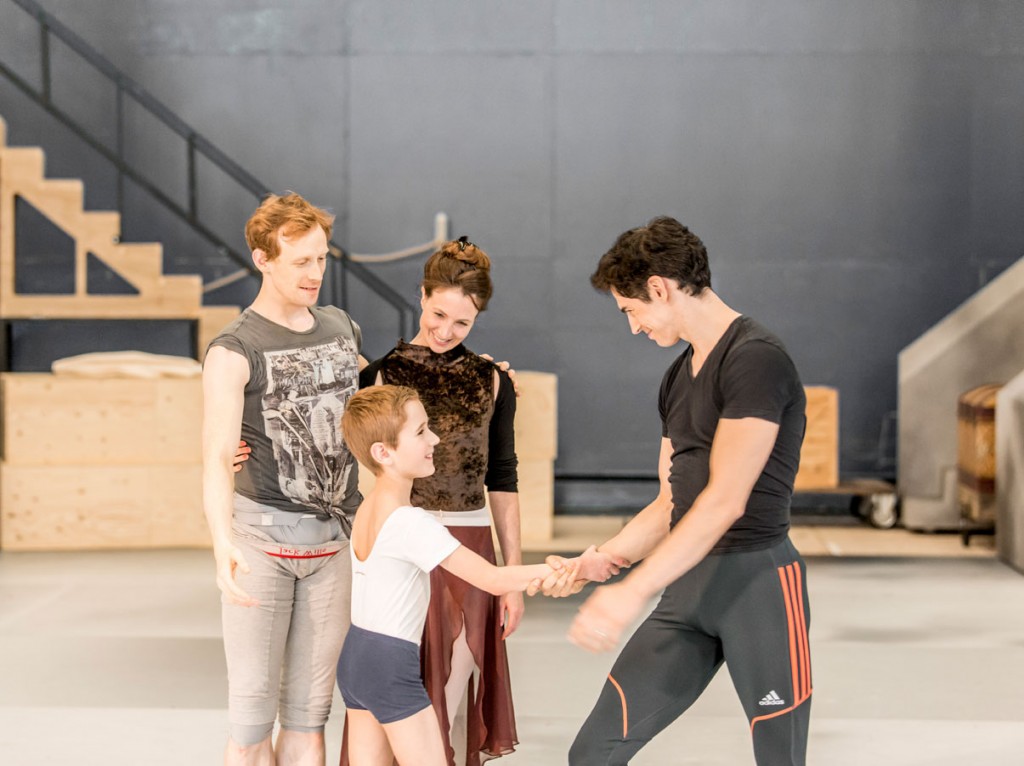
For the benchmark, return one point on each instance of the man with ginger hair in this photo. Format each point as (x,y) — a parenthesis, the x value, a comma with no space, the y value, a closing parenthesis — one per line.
(279,377)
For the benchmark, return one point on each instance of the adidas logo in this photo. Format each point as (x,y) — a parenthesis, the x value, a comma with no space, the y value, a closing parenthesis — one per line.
(771,698)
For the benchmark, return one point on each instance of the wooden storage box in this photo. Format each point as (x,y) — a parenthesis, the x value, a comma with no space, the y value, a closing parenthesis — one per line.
(976,453)
(60,421)
(537,416)
(536,500)
(537,447)
(109,463)
(819,456)
(79,507)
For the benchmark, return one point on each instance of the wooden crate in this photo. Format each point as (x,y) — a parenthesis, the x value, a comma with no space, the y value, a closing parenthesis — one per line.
(819,456)
(537,416)
(111,463)
(976,453)
(52,420)
(536,499)
(83,507)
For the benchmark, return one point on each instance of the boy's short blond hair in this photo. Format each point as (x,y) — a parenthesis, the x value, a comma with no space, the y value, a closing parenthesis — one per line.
(375,414)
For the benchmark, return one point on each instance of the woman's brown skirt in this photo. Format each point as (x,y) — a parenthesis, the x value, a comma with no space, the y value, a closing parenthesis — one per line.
(491,724)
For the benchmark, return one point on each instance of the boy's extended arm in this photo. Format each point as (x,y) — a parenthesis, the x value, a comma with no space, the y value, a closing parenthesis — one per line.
(225,374)
(478,571)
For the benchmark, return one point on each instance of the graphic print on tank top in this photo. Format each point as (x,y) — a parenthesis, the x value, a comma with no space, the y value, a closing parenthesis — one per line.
(307,390)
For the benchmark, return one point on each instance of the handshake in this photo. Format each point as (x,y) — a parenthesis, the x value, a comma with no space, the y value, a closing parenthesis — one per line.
(568,576)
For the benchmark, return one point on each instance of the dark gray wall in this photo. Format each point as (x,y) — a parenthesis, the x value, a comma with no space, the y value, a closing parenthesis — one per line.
(856,169)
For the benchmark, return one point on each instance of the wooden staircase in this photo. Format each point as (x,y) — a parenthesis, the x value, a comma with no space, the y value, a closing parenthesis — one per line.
(159,296)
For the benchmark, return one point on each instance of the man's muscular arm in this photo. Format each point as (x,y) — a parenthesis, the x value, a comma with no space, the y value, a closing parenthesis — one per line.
(739,453)
(225,374)
(638,538)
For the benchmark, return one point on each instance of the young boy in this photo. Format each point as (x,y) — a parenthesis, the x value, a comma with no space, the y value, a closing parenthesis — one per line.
(394,546)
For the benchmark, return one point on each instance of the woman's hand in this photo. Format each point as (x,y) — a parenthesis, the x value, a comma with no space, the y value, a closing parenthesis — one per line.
(510,613)
(506,368)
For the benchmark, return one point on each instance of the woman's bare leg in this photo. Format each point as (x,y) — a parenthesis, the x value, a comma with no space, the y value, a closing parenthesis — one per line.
(416,740)
(462,668)
(367,740)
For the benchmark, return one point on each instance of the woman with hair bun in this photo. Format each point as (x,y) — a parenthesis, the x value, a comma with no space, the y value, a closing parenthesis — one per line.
(471,404)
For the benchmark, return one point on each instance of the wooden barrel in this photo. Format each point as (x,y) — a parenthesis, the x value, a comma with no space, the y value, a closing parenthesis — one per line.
(976,452)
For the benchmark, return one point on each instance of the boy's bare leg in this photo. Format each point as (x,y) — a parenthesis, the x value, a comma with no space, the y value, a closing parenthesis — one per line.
(367,741)
(416,740)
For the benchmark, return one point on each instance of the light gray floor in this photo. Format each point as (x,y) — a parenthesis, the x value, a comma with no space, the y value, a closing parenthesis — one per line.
(115,658)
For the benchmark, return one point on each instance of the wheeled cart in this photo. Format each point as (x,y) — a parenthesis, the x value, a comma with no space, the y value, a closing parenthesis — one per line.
(873,500)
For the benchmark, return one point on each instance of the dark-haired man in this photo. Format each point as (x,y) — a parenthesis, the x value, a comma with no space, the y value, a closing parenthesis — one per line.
(716,537)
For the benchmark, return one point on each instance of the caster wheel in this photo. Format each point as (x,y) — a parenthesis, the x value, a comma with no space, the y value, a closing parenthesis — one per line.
(881,511)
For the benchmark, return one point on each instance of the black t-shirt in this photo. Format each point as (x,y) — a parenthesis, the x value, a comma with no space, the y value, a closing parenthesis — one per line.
(748,374)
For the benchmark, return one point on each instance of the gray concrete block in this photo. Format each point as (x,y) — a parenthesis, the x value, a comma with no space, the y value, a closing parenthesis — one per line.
(1010,472)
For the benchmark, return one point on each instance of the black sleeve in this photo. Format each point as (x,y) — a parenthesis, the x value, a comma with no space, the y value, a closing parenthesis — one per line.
(667,381)
(758,380)
(368,375)
(502,463)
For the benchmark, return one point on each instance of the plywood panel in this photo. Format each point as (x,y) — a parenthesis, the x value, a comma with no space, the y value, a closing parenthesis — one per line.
(19,306)
(50,420)
(90,507)
(536,499)
(819,456)
(212,319)
(537,416)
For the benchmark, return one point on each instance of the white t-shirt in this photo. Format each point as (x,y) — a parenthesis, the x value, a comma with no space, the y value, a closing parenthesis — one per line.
(391,588)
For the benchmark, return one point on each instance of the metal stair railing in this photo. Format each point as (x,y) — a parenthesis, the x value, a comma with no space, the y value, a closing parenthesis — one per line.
(195,146)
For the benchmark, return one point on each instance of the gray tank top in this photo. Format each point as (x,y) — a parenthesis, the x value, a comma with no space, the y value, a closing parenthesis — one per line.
(299,384)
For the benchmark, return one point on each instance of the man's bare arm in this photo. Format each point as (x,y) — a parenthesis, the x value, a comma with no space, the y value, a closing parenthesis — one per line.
(225,374)
(650,526)
(643,532)
(739,452)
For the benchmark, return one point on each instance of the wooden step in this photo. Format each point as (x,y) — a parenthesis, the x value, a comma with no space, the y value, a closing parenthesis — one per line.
(136,262)
(21,164)
(60,201)
(69,193)
(3,132)
(97,230)
(213,319)
(182,290)
(177,304)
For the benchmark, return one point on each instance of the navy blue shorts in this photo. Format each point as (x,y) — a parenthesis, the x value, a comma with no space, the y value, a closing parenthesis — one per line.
(381,674)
